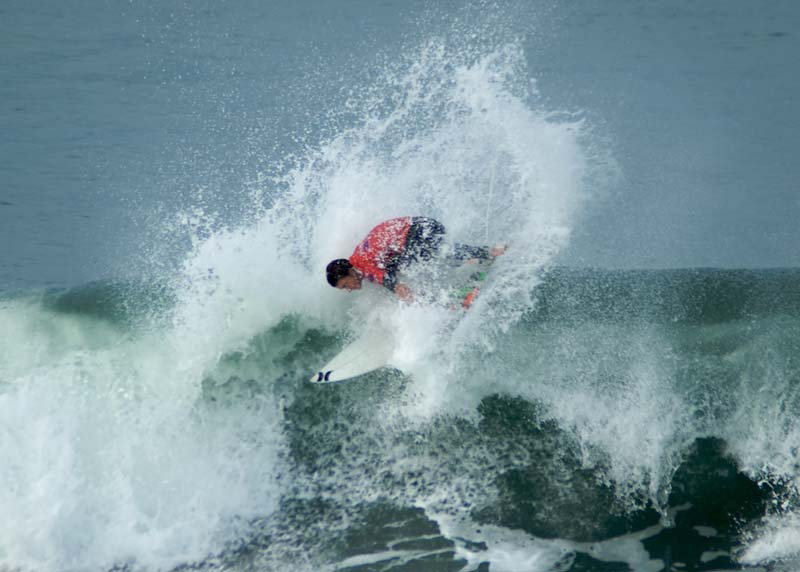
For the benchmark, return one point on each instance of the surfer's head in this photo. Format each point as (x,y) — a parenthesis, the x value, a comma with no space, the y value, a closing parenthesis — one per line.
(341,274)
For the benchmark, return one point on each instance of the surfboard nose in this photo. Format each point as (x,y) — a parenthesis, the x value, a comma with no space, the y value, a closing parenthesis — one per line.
(321,377)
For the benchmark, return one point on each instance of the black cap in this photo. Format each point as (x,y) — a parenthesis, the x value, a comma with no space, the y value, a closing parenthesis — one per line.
(336,269)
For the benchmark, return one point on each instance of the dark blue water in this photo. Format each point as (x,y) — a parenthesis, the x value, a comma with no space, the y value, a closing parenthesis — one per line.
(117,114)
(631,421)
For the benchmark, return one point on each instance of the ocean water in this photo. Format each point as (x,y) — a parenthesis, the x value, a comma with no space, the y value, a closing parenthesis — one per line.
(623,395)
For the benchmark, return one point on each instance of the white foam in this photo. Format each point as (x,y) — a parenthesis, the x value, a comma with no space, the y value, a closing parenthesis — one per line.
(109,458)
(505,549)
(512,550)
(114,456)
(778,540)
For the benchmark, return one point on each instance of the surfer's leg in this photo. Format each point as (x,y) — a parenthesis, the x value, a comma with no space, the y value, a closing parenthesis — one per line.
(466,251)
(424,240)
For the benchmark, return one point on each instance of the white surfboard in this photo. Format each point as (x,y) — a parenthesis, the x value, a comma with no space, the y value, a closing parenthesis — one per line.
(371,351)
(374,348)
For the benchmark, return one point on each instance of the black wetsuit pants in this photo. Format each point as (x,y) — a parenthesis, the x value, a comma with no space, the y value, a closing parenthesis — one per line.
(425,238)
(424,242)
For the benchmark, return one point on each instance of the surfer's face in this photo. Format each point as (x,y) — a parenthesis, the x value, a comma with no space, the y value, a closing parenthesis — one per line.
(350,282)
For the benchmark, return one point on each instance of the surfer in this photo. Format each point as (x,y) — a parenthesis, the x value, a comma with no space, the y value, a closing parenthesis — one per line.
(394,245)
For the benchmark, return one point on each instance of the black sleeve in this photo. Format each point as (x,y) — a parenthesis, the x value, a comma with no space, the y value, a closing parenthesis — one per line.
(390,273)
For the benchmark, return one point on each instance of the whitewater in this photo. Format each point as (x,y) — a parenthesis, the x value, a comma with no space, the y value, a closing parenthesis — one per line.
(573,419)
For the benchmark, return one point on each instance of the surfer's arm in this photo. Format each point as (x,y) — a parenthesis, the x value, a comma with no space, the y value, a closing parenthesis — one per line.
(390,268)
(390,283)
(404,292)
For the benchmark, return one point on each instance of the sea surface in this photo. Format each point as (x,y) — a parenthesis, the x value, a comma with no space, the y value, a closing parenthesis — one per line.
(623,395)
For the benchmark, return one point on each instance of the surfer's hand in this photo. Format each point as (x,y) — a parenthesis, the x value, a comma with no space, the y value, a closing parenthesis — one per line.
(404,293)
(498,250)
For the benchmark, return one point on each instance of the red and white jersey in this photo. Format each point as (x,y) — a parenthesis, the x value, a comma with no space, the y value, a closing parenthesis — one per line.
(381,248)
